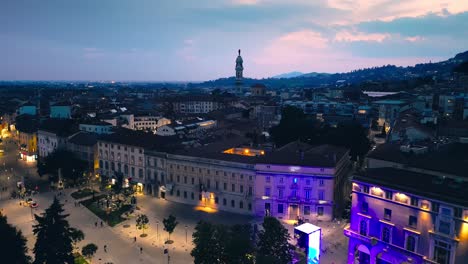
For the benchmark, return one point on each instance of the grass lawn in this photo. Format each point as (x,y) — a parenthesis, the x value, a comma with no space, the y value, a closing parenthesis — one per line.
(113,218)
(79,259)
(82,193)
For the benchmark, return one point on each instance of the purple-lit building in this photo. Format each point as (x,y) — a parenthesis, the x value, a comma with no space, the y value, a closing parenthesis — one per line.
(301,181)
(410,208)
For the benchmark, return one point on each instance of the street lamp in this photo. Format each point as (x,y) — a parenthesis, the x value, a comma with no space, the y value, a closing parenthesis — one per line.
(186,234)
(157,230)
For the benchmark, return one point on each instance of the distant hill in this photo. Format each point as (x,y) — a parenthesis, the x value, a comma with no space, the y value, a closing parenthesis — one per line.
(288,75)
(388,73)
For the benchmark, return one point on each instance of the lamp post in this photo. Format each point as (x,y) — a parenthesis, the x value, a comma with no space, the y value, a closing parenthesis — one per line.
(186,234)
(157,230)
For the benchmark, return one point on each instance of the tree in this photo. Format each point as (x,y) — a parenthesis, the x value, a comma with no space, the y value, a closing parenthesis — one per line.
(71,167)
(142,222)
(54,236)
(13,247)
(240,248)
(89,250)
(170,224)
(222,244)
(118,185)
(273,245)
(209,241)
(76,235)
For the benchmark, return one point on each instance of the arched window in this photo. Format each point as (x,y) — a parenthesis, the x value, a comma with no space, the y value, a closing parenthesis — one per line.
(386,234)
(363,227)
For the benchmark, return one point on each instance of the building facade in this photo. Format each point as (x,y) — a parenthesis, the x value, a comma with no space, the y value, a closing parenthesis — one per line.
(60,111)
(210,184)
(96,127)
(129,160)
(410,208)
(83,145)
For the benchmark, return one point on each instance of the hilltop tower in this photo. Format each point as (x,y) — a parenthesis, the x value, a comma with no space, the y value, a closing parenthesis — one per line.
(239,71)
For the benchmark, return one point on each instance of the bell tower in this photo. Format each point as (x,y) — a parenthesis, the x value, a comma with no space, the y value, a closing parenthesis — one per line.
(239,69)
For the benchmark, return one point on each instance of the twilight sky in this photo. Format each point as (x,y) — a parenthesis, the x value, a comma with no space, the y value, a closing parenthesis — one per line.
(178,40)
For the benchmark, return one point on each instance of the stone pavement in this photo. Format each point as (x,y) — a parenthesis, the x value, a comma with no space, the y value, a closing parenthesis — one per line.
(121,247)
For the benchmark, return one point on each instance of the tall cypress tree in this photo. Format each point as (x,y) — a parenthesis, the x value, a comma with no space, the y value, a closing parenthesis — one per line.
(55,237)
(13,247)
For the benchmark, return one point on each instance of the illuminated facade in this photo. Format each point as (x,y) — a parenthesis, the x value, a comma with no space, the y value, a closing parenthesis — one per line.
(210,183)
(28,146)
(298,192)
(115,157)
(401,216)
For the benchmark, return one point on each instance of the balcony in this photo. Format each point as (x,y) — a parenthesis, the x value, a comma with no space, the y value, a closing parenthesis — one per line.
(374,240)
(294,198)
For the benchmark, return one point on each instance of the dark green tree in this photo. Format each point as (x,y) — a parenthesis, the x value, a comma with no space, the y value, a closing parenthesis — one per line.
(54,236)
(273,246)
(142,222)
(210,244)
(294,125)
(170,224)
(13,247)
(222,244)
(240,248)
(72,168)
(89,250)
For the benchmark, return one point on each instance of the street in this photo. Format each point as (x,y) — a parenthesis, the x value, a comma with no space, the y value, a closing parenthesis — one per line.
(14,170)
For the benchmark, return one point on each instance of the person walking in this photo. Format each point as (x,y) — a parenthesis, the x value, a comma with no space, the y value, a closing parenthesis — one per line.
(141,250)
(102,224)
(134,239)
(105,248)
(95,224)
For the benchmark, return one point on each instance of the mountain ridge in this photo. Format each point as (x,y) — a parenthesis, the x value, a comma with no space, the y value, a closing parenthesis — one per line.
(388,73)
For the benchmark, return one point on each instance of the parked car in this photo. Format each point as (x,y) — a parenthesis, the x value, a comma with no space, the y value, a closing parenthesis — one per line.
(34,204)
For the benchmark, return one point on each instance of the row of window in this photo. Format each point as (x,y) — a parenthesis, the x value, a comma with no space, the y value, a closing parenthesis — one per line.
(294,194)
(216,200)
(233,175)
(113,166)
(386,234)
(306,209)
(294,180)
(216,185)
(410,200)
(387,215)
(118,147)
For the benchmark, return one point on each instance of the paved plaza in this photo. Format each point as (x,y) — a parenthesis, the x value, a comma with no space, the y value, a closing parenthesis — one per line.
(121,248)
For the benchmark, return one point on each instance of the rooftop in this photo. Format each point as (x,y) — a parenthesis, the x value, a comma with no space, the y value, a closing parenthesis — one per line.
(27,124)
(83,138)
(140,139)
(61,127)
(302,154)
(449,158)
(294,153)
(426,185)
(95,122)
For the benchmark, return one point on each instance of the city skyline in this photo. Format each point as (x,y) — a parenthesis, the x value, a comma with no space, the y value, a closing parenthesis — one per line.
(188,41)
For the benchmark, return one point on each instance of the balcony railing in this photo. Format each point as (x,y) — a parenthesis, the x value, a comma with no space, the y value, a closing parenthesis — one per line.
(373,240)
